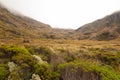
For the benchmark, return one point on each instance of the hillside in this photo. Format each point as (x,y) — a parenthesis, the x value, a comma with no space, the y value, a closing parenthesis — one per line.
(107,28)
(12,25)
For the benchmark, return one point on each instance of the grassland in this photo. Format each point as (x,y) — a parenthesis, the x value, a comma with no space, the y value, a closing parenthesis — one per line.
(62,43)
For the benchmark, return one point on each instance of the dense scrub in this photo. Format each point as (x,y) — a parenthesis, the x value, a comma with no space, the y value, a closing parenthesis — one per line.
(79,70)
(17,62)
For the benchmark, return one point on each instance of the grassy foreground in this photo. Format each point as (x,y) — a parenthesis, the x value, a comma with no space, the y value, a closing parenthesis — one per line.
(60,59)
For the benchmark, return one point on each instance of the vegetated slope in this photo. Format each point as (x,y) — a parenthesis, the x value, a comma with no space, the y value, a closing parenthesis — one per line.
(107,28)
(12,25)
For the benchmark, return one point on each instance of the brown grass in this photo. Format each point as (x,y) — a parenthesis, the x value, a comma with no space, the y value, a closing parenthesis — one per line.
(66,44)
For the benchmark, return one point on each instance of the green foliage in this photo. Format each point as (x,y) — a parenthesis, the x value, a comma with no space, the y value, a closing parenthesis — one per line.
(10,51)
(112,59)
(24,60)
(69,59)
(63,60)
(31,49)
(67,54)
(55,75)
(21,57)
(45,53)
(44,71)
(3,71)
(26,64)
(106,72)
(15,49)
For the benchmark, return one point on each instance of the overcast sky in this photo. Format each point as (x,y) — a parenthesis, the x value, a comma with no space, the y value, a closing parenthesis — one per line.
(64,13)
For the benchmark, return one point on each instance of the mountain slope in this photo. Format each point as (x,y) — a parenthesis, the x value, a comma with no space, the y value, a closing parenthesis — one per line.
(13,25)
(20,26)
(17,26)
(107,28)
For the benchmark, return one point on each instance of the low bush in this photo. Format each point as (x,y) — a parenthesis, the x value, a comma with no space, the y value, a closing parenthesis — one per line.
(10,51)
(43,70)
(105,72)
(3,71)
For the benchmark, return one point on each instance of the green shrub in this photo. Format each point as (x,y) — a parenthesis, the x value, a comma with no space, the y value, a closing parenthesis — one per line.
(55,75)
(44,71)
(10,51)
(106,72)
(3,71)
(111,58)
(26,64)
(22,58)
(45,53)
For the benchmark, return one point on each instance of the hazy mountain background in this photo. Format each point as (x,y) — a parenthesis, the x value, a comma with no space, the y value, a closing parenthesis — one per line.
(20,26)
(107,28)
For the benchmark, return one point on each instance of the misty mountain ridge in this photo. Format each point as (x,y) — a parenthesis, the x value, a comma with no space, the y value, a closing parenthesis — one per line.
(20,26)
(13,25)
(107,28)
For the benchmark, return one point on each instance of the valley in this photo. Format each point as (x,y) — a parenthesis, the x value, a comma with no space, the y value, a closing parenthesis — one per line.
(32,50)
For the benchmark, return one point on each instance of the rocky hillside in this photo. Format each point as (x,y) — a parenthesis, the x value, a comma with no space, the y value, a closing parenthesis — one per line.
(107,28)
